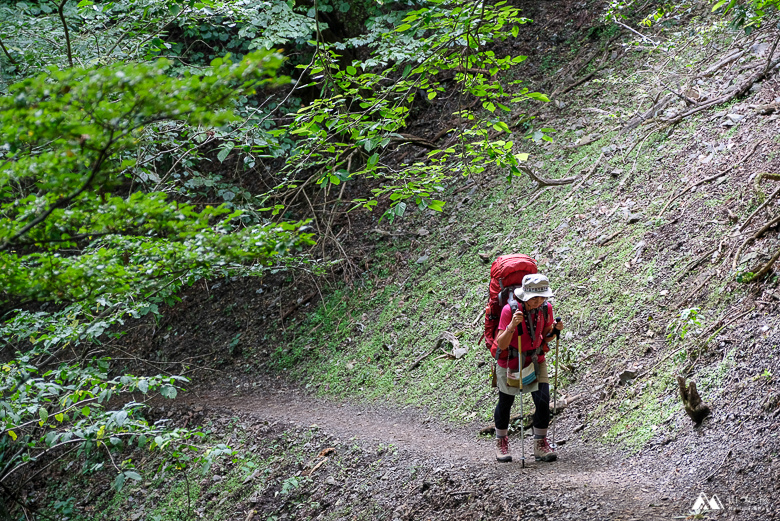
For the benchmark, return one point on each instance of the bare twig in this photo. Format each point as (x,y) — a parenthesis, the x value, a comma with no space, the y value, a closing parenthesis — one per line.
(636,32)
(769,56)
(712,474)
(5,51)
(60,11)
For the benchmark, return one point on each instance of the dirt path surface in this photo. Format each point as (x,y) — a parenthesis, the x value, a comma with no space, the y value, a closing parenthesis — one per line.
(586,482)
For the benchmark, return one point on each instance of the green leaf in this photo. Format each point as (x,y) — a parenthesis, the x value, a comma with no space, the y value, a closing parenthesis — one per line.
(515,31)
(143,386)
(43,414)
(432,94)
(169,391)
(85,411)
(718,5)
(403,27)
(351,70)
(436,205)
(133,475)
(59,417)
(12,434)
(225,151)
(522,156)
(538,96)
(119,482)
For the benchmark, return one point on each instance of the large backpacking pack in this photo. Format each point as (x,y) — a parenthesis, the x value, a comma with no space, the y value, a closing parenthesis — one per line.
(506,274)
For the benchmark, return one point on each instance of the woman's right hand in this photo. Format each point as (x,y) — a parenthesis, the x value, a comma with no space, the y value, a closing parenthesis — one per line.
(517,318)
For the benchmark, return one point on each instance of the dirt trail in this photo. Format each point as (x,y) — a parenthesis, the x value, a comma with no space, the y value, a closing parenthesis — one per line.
(586,483)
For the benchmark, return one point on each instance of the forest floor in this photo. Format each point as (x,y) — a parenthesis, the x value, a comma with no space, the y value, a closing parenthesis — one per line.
(325,458)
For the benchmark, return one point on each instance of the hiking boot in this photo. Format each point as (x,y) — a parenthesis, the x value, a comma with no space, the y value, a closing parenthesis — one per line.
(543,451)
(502,449)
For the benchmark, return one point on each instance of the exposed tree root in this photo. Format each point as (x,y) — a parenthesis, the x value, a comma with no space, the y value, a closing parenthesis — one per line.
(730,95)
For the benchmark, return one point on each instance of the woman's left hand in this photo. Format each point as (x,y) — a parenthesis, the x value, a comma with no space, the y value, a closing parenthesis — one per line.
(559,326)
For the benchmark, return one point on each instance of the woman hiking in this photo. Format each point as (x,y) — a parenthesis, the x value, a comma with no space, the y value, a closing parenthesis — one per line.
(534,322)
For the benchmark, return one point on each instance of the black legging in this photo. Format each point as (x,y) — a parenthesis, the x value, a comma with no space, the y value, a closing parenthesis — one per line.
(541,415)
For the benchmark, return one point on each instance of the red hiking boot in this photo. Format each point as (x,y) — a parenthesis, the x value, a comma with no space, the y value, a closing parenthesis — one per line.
(543,451)
(502,449)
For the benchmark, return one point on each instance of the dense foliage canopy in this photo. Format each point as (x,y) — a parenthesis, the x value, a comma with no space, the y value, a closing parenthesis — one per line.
(146,145)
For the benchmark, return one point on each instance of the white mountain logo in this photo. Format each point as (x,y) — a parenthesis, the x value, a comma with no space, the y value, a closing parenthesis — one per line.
(704,504)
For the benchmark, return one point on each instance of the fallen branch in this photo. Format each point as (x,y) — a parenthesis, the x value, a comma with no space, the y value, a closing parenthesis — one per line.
(417,362)
(764,175)
(5,51)
(603,63)
(719,329)
(651,113)
(636,32)
(769,56)
(541,181)
(298,304)
(315,467)
(414,140)
(709,477)
(711,178)
(686,99)
(725,61)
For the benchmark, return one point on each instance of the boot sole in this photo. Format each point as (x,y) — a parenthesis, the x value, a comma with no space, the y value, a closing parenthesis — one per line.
(548,459)
(506,459)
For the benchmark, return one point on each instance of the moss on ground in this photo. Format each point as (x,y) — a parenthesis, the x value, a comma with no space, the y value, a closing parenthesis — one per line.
(362,340)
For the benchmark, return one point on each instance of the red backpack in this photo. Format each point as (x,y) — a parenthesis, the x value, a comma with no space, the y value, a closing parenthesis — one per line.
(506,274)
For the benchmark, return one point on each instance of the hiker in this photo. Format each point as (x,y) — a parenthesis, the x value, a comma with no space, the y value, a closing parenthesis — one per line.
(533,316)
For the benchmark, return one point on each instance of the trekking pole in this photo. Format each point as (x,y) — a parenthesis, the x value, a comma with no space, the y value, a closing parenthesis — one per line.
(522,432)
(555,378)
